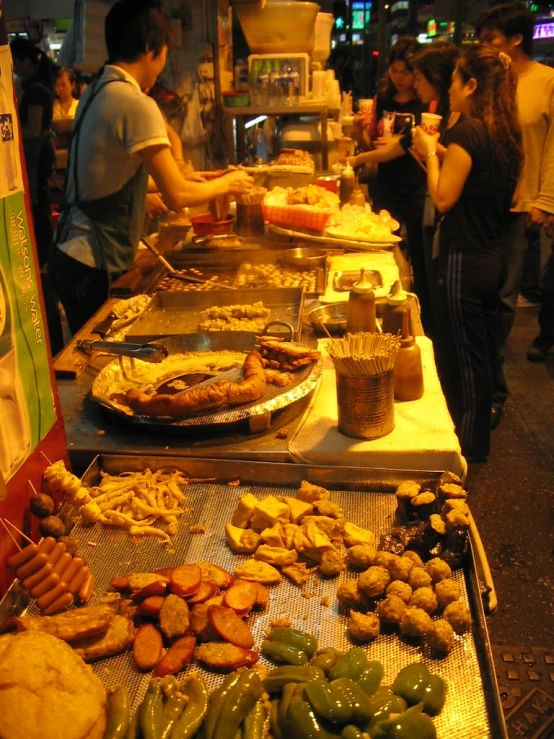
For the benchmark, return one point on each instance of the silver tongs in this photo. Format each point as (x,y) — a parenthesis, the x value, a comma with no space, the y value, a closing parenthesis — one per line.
(154,353)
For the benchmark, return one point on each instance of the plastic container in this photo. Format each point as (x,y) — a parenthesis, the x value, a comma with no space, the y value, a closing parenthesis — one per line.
(361,314)
(408,371)
(240,76)
(205,225)
(322,44)
(347,182)
(282,26)
(395,305)
(236,99)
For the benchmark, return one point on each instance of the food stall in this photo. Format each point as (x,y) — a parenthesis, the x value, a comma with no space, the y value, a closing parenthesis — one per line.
(220,564)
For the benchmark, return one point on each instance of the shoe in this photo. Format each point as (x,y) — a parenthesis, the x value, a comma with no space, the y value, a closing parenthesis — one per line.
(539,349)
(496,414)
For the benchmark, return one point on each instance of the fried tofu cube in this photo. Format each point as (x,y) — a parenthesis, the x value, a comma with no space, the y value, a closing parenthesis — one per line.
(356,535)
(273,536)
(276,555)
(289,532)
(244,510)
(298,508)
(331,527)
(310,493)
(268,512)
(239,543)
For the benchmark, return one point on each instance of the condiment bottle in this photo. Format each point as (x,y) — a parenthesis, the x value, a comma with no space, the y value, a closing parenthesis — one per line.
(407,376)
(346,183)
(360,315)
(396,304)
(356,196)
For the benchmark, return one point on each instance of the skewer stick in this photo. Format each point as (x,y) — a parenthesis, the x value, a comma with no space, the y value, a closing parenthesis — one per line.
(417,159)
(45,457)
(18,530)
(9,533)
(33,488)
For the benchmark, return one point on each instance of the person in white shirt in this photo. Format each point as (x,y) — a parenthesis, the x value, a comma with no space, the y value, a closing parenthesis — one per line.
(119,152)
(65,105)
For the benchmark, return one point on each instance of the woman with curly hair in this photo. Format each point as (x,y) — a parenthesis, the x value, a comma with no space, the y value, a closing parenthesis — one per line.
(473,190)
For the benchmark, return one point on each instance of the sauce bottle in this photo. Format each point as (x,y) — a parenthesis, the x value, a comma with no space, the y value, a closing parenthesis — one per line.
(356,196)
(407,375)
(346,184)
(396,304)
(360,315)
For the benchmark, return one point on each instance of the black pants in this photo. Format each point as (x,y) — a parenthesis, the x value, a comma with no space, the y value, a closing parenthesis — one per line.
(82,290)
(468,302)
(546,313)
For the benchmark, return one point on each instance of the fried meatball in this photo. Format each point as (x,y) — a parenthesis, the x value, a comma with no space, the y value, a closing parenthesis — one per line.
(438,569)
(349,596)
(373,581)
(391,609)
(363,626)
(419,578)
(383,559)
(415,622)
(328,508)
(414,556)
(332,563)
(440,636)
(401,589)
(426,599)
(458,616)
(360,556)
(447,591)
(400,568)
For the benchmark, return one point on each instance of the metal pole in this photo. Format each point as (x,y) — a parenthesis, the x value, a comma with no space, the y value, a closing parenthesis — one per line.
(459,18)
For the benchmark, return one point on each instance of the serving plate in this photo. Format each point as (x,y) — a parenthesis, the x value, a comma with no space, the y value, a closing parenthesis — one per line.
(332,241)
(338,232)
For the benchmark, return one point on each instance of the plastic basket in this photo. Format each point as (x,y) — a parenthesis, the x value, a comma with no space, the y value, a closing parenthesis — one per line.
(296,216)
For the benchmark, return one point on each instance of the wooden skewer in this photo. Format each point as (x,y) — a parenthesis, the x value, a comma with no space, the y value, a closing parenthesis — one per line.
(5,520)
(9,533)
(417,159)
(33,488)
(45,457)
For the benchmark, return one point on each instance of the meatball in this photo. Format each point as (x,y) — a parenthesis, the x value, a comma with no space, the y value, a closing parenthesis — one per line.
(349,596)
(415,622)
(391,609)
(447,591)
(401,589)
(441,636)
(414,556)
(383,559)
(360,556)
(332,563)
(363,627)
(373,581)
(458,616)
(438,569)
(419,578)
(426,599)
(400,568)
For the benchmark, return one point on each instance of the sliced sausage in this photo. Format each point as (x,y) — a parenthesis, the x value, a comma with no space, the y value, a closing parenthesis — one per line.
(147,647)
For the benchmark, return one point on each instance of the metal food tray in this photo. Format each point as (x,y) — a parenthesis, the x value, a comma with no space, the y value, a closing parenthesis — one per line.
(343,281)
(472,709)
(172,313)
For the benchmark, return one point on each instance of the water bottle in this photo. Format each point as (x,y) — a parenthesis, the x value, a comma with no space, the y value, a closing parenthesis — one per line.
(263,87)
(275,85)
(294,86)
(285,98)
(255,70)
(7,133)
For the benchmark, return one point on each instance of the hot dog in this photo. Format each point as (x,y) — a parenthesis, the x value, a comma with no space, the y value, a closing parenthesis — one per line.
(78,579)
(85,591)
(33,565)
(63,563)
(59,604)
(57,550)
(74,566)
(30,582)
(22,557)
(48,598)
(47,584)
(47,544)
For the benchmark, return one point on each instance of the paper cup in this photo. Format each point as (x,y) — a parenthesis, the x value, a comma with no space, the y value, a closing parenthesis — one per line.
(365,105)
(430,122)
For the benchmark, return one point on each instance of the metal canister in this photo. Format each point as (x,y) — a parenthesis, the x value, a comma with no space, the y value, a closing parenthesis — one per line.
(250,219)
(365,405)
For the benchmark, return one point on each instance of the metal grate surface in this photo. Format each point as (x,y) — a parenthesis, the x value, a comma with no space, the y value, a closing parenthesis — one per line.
(465,714)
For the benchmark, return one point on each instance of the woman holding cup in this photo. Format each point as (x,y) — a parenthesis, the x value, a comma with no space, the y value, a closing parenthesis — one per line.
(474,190)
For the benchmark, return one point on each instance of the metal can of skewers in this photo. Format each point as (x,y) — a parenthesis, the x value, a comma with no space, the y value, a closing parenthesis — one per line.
(365,405)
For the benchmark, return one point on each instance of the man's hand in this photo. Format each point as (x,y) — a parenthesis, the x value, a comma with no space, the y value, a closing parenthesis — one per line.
(155,206)
(549,225)
(535,219)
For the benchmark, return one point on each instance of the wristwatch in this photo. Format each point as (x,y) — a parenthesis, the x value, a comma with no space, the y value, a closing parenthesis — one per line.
(431,154)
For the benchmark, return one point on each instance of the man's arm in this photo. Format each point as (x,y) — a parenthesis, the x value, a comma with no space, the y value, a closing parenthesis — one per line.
(544,204)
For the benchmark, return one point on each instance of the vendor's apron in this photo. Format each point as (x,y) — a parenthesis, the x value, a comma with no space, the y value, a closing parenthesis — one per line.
(117,220)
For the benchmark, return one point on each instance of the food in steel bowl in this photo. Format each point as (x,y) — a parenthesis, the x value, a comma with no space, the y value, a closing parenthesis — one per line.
(332,316)
(206,225)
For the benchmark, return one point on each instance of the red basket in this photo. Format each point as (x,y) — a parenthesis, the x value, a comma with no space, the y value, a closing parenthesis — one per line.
(296,216)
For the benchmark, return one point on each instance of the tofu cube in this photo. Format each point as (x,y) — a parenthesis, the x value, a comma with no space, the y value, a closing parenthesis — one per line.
(244,510)
(298,508)
(268,512)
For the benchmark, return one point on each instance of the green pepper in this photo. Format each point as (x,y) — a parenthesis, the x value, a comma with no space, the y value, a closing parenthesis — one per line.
(118,713)
(281,652)
(190,720)
(300,639)
(371,677)
(417,685)
(255,724)
(133,732)
(151,710)
(352,732)
(240,699)
(351,664)
(276,679)
(274,718)
(302,721)
(359,702)
(412,724)
(288,692)
(382,704)
(217,698)
(328,702)
(326,658)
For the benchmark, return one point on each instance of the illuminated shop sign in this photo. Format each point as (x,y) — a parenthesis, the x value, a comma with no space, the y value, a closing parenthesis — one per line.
(544,30)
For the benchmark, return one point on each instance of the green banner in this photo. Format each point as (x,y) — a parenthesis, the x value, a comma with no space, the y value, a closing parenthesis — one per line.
(27,410)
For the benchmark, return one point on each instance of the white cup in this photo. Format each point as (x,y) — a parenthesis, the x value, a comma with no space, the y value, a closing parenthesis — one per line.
(430,122)
(365,105)
(318,84)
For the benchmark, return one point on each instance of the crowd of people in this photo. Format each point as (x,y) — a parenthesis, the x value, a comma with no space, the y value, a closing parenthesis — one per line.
(488,218)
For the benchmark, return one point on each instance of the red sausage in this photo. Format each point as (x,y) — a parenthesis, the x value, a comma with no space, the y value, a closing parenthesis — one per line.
(30,582)
(78,579)
(74,566)
(32,566)
(48,598)
(47,544)
(57,550)
(85,591)
(43,587)
(63,563)
(20,558)
(59,604)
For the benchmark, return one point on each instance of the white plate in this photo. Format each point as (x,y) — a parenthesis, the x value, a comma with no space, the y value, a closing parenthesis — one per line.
(337,233)
(353,244)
